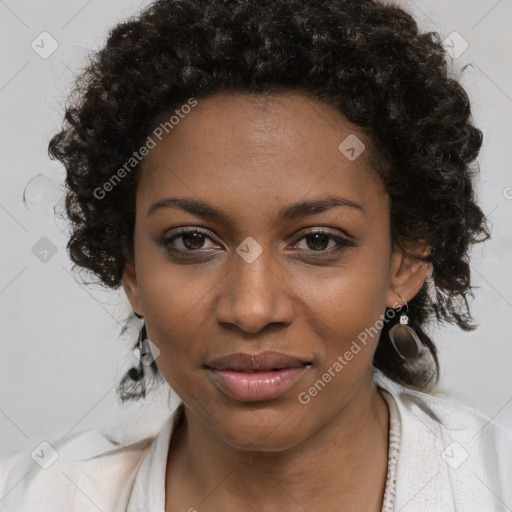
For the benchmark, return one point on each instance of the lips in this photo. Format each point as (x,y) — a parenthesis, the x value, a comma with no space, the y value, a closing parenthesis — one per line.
(251,378)
(265,361)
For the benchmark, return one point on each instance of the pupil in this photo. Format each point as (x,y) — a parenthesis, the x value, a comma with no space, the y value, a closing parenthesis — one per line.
(318,237)
(197,238)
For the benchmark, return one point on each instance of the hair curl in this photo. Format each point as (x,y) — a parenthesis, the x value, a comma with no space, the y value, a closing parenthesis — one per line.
(363,57)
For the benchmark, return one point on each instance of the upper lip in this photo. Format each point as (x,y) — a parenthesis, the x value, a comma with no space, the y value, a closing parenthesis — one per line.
(251,362)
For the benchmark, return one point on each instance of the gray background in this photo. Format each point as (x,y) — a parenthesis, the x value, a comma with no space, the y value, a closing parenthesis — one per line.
(61,349)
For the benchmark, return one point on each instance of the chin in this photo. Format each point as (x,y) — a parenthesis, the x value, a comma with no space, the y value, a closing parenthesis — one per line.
(262,426)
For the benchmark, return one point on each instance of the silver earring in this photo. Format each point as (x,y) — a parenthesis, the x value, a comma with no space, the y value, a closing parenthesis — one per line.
(404,337)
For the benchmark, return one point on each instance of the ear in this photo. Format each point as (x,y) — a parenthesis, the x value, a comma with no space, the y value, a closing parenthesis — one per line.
(408,274)
(131,289)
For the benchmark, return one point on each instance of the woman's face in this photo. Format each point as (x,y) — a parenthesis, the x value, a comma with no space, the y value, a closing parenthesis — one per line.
(254,277)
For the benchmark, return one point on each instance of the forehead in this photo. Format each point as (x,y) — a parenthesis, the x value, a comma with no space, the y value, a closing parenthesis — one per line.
(259,149)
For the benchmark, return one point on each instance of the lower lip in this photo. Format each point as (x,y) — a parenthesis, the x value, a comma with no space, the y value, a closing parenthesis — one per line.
(255,386)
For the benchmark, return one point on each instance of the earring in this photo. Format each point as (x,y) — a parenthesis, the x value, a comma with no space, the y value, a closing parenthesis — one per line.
(404,337)
(143,334)
(133,385)
(136,373)
(145,355)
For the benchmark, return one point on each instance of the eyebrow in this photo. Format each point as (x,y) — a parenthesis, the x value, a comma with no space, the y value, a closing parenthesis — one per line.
(208,211)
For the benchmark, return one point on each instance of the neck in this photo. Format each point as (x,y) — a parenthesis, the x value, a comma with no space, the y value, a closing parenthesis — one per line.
(343,462)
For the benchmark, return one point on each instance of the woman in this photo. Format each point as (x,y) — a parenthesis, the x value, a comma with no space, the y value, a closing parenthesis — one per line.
(284,191)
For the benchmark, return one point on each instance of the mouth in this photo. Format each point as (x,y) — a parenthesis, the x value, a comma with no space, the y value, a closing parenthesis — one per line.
(252,378)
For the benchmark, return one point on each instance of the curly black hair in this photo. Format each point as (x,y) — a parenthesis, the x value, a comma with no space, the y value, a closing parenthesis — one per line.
(365,58)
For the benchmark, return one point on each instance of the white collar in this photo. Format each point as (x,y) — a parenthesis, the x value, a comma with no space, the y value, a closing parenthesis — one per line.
(148,492)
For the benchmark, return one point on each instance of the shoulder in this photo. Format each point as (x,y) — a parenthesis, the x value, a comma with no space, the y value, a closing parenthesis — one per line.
(452,456)
(86,471)
(444,413)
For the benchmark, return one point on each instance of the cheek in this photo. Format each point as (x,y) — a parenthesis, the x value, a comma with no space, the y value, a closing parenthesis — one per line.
(177,319)
(171,293)
(181,340)
(359,301)
(346,319)
(351,297)
(344,315)
(179,315)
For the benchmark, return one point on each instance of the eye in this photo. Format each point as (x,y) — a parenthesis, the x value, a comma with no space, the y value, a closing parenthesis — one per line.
(186,240)
(319,240)
(193,240)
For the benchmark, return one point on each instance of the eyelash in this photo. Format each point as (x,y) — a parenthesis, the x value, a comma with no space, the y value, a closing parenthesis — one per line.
(342,242)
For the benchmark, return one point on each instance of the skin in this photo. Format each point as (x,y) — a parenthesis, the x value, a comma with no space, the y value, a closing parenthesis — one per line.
(251,156)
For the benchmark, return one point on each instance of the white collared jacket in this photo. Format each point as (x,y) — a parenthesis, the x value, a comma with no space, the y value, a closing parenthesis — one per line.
(451,458)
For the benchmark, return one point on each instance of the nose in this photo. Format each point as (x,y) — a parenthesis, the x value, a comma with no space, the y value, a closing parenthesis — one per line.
(255,294)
